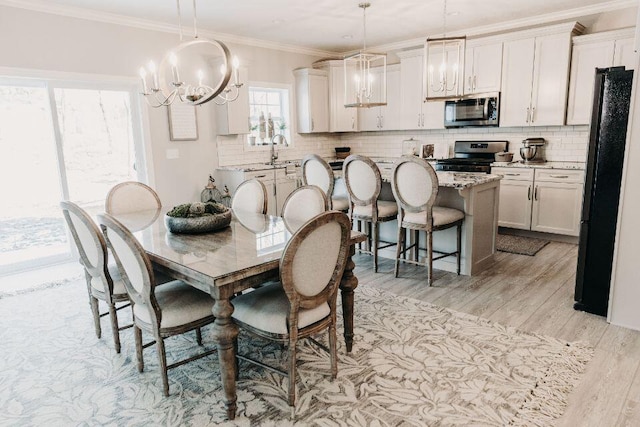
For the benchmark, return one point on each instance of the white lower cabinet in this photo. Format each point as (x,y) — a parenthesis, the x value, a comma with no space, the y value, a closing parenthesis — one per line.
(284,187)
(545,200)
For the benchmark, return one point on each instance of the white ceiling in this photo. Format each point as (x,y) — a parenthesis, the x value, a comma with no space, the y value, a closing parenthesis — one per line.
(327,24)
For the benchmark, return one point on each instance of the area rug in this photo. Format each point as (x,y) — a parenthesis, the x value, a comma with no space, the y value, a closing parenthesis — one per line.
(413,364)
(519,244)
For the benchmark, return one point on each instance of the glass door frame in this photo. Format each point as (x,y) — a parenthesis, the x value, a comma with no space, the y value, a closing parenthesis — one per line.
(50,81)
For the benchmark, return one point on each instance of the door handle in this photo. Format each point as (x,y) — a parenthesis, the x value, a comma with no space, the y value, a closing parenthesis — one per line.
(512,174)
(312,124)
(559,176)
(535,193)
(528,113)
(260,176)
(469,85)
(529,193)
(474,82)
(381,122)
(353,122)
(422,119)
(533,114)
(419,115)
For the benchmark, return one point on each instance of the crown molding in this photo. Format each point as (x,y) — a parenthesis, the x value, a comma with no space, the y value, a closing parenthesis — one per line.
(623,33)
(111,18)
(517,24)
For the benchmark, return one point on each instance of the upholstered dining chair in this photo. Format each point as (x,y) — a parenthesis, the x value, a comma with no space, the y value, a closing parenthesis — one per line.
(250,196)
(103,278)
(163,311)
(364,183)
(303,204)
(304,301)
(315,171)
(416,210)
(131,196)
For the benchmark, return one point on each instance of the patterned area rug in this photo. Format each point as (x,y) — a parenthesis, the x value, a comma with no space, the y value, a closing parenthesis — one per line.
(413,364)
(519,244)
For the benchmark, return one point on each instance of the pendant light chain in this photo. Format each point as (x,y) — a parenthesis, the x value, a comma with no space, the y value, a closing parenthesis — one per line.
(195,21)
(444,19)
(179,20)
(364,27)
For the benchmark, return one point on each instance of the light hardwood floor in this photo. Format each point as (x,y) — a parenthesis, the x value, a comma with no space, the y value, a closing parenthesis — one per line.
(535,294)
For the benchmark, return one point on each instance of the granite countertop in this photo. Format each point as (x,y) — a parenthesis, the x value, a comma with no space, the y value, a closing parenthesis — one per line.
(251,167)
(545,165)
(457,180)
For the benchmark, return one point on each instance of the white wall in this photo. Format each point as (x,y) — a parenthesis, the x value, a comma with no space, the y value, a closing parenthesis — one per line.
(39,41)
(624,304)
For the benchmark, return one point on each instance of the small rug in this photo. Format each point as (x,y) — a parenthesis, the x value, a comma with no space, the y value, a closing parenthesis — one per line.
(413,364)
(519,244)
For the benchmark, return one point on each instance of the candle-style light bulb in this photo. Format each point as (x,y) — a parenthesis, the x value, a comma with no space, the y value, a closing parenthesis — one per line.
(200,77)
(154,74)
(236,71)
(173,60)
(143,77)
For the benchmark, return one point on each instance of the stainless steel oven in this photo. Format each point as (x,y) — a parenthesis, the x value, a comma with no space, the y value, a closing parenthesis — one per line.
(472,110)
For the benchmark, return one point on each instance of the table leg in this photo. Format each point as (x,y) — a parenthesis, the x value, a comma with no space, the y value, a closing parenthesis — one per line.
(347,285)
(225,332)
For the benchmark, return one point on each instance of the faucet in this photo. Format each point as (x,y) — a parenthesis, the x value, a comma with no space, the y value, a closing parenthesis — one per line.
(274,154)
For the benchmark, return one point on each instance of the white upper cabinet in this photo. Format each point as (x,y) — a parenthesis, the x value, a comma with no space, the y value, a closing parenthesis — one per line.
(386,117)
(535,76)
(415,113)
(482,68)
(600,50)
(232,118)
(341,119)
(312,99)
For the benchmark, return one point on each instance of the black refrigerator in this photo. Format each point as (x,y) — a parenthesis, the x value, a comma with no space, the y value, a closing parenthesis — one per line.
(607,136)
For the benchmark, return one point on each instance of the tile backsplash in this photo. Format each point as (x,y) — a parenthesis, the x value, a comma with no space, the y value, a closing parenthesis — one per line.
(564,143)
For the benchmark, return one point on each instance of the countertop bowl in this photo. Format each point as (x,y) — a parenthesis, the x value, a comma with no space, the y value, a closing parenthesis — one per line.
(504,157)
(200,224)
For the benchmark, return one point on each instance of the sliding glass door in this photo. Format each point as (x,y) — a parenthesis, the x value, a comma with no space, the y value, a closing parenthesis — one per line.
(59,141)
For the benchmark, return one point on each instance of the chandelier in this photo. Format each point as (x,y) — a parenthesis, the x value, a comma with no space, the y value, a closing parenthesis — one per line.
(169,82)
(443,65)
(365,74)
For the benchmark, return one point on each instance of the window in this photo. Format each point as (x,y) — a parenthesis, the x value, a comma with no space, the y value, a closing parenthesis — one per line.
(267,101)
(60,140)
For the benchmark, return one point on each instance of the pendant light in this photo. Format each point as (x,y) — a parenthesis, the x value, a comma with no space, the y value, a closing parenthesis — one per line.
(169,82)
(365,74)
(443,65)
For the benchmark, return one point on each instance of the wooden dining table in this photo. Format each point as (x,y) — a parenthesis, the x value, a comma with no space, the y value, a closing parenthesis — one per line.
(228,261)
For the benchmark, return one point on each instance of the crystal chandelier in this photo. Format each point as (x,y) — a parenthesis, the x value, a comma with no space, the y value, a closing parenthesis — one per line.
(163,85)
(443,65)
(365,74)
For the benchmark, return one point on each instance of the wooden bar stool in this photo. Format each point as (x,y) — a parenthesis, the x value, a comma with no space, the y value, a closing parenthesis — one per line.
(363,181)
(416,211)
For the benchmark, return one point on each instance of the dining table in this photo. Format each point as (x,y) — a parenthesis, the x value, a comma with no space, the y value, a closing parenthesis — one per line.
(225,262)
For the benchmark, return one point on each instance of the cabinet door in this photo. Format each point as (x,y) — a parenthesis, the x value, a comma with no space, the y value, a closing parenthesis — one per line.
(624,54)
(283,189)
(468,70)
(341,119)
(487,68)
(411,94)
(557,207)
(233,117)
(517,79)
(390,115)
(433,115)
(550,80)
(319,103)
(585,59)
(515,204)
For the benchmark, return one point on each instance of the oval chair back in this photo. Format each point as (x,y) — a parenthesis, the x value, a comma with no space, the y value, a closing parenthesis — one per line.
(131,196)
(250,196)
(315,171)
(410,197)
(363,180)
(303,204)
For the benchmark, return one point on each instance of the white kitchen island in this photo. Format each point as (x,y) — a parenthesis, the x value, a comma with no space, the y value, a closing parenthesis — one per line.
(477,195)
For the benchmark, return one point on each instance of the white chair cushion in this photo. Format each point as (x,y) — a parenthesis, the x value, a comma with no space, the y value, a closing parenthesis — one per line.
(441,216)
(267,308)
(385,209)
(118,285)
(180,304)
(340,203)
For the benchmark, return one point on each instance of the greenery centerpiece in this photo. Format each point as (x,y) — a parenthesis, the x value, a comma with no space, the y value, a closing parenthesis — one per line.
(197,217)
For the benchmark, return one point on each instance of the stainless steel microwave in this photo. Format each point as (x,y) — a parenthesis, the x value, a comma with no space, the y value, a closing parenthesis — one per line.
(472,110)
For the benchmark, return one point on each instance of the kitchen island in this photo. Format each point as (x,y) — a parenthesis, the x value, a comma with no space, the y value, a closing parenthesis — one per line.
(477,195)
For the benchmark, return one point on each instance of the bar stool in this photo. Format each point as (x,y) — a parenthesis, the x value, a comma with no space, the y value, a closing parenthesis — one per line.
(315,171)
(363,182)
(416,211)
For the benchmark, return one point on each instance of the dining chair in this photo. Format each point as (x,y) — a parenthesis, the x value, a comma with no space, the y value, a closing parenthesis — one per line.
(131,196)
(250,196)
(103,278)
(316,171)
(163,311)
(303,204)
(303,303)
(364,182)
(416,211)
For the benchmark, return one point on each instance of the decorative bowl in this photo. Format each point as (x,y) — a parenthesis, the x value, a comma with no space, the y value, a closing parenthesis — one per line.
(198,224)
(504,157)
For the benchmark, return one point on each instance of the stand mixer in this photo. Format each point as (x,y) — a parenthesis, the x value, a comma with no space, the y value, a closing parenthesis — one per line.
(529,150)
